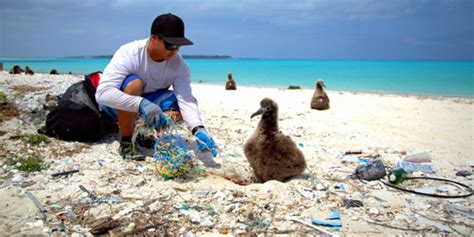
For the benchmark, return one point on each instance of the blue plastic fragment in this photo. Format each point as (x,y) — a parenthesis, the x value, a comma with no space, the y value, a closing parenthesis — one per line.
(101,162)
(335,216)
(327,223)
(363,161)
(342,187)
(114,200)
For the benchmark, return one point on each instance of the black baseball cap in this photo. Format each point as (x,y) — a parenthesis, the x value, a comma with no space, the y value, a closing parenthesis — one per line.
(170,28)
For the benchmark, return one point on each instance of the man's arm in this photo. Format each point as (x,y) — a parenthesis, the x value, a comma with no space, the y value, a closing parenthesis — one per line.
(108,92)
(186,101)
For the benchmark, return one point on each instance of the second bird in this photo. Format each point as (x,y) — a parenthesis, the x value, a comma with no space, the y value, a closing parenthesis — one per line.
(230,83)
(320,100)
(271,154)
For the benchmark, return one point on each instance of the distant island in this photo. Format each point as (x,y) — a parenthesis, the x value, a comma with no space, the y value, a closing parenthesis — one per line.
(208,56)
(184,56)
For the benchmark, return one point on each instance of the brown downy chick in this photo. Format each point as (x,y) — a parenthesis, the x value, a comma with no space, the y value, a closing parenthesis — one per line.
(271,154)
(320,100)
(28,71)
(230,83)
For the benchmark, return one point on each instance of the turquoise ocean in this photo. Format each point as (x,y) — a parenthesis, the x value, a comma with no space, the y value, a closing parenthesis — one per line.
(432,78)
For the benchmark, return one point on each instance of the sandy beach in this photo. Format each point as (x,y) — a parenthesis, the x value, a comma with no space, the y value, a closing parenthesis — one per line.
(386,126)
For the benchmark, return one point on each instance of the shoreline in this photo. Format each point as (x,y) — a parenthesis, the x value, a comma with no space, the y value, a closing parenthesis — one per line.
(400,94)
(434,78)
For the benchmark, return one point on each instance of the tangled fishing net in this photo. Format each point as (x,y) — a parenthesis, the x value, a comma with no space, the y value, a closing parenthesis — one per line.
(172,157)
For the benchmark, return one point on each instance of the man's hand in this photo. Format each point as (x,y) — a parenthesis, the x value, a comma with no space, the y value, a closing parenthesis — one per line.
(153,115)
(204,142)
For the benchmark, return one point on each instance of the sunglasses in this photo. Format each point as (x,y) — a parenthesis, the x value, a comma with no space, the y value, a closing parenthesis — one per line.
(168,46)
(171,47)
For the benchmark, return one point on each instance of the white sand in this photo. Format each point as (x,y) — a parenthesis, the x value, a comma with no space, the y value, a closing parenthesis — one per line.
(389,125)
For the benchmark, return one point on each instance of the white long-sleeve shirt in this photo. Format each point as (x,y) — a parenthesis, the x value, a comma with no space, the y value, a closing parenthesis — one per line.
(133,58)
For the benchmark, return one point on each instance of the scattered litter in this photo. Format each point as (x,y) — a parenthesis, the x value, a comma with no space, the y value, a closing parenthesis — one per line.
(206,222)
(38,205)
(101,162)
(231,207)
(350,158)
(129,228)
(415,167)
(103,225)
(173,159)
(64,173)
(312,226)
(140,167)
(430,191)
(316,183)
(374,211)
(464,173)
(433,223)
(373,170)
(341,187)
(334,216)
(348,203)
(305,192)
(470,163)
(354,152)
(445,188)
(38,223)
(89,193)
(424,157)
(203,192)
(468,212)
(354,158)
(363,160)
(397,176)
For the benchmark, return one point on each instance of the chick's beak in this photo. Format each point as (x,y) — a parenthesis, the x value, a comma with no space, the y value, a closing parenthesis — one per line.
(258,112)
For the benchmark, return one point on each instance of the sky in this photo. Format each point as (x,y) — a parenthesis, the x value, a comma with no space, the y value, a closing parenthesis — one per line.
(307,29)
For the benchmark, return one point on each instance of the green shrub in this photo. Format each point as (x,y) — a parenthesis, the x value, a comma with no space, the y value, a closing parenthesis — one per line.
(35,139)
(11,160)
(31,163)
(294,87)
(3,98)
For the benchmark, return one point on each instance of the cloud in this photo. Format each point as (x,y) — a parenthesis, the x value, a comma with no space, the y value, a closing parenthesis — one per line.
(294,13)
(450,3)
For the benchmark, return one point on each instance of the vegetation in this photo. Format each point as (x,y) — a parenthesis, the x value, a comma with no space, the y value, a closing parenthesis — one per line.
(294,87)
(35,139)
(31,163)
(3,98)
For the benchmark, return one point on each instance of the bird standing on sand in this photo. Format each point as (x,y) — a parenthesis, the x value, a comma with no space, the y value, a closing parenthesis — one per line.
(28,71)
(271,154)
(320,100)
(16,70)
(230,83)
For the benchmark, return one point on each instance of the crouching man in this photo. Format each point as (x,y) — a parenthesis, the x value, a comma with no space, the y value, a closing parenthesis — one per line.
(137,81)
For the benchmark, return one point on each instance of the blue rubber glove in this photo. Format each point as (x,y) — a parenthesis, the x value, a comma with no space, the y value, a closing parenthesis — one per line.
(204,142)
(153,115)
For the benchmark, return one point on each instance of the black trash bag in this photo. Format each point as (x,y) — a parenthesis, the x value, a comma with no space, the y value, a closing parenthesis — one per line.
(77,116)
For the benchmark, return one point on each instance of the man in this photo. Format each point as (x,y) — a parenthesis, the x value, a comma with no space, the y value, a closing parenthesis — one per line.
(136,82)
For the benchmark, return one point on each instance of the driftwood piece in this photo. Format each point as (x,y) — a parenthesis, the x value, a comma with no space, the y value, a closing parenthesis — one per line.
(103,225)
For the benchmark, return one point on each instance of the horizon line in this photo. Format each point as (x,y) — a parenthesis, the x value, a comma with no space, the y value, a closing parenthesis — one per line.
(203,56)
